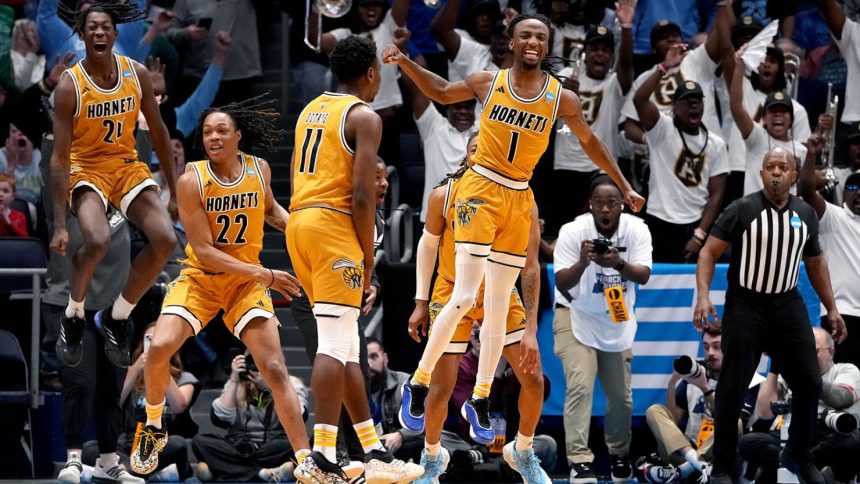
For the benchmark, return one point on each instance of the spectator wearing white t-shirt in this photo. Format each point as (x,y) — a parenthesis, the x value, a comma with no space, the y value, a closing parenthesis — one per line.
(698,66)
(483,47)
(569,29)
(839,229)
(775,130)
(846,33)
(384,28)
(755,89)
(443,138)
(688,168)
(601,94)
(591,338)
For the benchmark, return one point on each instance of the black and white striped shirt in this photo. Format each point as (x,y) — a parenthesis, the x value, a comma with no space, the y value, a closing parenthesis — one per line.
(768,243)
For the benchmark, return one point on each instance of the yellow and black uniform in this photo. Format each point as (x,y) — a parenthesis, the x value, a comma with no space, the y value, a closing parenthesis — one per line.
(444,287)
(321,239)
(102,154)
(237,214)
(494,201)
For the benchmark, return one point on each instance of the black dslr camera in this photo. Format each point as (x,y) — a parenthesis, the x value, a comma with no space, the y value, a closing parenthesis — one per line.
(250,365)
(602,246)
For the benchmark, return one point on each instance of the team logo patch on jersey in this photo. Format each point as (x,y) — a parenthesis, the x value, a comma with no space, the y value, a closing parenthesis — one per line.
(250,172)
(434,309)
(352,273)
(549,97)
(795,222)
(465,210)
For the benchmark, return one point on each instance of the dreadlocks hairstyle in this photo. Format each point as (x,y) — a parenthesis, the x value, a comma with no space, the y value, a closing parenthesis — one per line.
(352,57)
(549,62)
(255,117)
(119,11)
(456,174)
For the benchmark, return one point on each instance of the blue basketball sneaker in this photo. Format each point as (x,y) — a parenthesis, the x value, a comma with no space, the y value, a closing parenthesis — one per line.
(411,412)
(434,466)
(476,411)
(526,463)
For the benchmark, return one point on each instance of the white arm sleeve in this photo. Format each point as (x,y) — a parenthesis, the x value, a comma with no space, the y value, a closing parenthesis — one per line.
(428,246)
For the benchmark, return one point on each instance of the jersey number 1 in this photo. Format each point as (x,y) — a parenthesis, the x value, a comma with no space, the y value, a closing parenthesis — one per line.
(512,150)
(308,163)
(113,127)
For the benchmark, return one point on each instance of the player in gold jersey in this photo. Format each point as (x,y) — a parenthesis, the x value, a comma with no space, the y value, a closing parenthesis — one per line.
(94,163)
(331,243)
(520,330)
(520,106)
(224,202)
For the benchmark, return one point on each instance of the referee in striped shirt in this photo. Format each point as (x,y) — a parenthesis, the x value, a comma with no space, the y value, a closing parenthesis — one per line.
(771,231)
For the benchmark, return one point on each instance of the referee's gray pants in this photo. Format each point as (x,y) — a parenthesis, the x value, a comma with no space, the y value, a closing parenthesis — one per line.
(779,325)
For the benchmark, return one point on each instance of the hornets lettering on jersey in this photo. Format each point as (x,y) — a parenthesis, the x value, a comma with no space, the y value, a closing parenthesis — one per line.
(236,201)
(520,119)
(112,108)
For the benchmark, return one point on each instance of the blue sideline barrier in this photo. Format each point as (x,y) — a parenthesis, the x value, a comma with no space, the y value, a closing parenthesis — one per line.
(664,309)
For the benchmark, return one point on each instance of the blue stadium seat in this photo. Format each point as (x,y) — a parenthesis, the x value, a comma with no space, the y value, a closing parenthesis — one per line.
(18,252)
(16,437)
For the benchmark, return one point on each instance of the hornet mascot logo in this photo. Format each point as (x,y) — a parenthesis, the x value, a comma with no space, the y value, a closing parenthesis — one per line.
(434,310)
(465,210)
(352,274)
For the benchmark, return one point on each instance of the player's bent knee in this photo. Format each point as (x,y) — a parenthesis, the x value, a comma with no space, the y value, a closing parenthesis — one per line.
(337,326)
(97,245)
(163,243)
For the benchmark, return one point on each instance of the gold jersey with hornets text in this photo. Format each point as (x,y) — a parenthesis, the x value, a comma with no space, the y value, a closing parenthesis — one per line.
(322,161)
(236,211)
(104,120)
(514,131)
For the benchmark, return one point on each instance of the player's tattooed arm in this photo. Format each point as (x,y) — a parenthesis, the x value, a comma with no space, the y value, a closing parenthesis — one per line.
(530,282)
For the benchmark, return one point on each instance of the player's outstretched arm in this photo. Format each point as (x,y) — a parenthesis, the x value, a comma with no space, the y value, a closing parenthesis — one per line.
(570,110)
(159,133)
(276,215)
(425,262)
(437,88)
(65,103)
(199,233)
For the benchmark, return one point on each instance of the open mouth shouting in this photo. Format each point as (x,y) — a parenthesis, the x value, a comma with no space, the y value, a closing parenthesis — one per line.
(100,47)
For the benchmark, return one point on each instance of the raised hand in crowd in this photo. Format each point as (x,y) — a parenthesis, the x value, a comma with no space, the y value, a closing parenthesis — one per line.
(401,38)
(60,65)
(221,44)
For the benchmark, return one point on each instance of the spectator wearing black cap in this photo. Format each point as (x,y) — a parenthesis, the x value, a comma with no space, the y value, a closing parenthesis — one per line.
(589,341)
(483,46)
(601,94)
(774,131)
(839,228)
(756,86)
(688,167)
(698,66)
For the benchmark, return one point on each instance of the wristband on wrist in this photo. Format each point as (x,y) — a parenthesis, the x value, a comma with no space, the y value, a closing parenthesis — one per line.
(700,234)
(709,392)
(662,68)
(627,26)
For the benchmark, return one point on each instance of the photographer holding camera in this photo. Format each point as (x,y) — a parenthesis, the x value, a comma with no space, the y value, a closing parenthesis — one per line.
(255,446)
(836,444)
(598,257)
(690,399)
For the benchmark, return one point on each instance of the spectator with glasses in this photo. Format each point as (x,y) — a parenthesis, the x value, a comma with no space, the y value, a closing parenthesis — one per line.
(598,257)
